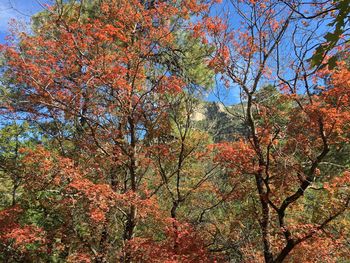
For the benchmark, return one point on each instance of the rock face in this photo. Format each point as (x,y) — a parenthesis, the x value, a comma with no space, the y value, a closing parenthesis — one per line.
(205,109)
(200,113)
(223,123)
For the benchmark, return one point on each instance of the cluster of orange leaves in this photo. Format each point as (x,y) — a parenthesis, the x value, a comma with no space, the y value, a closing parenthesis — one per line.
(238,156)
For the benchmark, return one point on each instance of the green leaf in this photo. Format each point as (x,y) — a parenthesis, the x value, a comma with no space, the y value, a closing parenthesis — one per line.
(331,37)
(332,62)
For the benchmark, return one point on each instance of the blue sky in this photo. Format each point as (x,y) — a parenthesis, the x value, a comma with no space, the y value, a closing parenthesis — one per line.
(18,9)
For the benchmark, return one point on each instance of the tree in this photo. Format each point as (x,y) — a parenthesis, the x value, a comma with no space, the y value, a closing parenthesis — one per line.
(100,74)
(290,134)
(112,164)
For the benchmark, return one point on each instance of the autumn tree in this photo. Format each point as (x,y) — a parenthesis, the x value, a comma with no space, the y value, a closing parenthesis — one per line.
(104,158)
(292,133)
(99,75)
